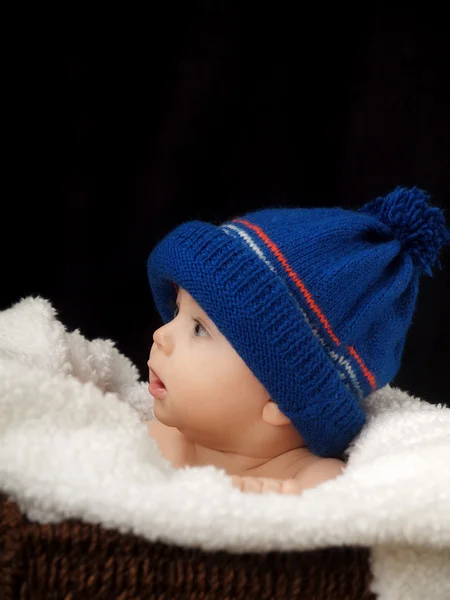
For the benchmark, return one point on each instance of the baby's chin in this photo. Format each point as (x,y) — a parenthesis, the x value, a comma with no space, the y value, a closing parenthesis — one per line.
(160,412)
(165,412)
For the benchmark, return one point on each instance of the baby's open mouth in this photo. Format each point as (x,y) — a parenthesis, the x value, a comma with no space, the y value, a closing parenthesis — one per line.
(156,387)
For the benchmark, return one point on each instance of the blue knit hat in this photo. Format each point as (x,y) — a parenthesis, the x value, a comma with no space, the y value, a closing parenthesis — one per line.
(316,301)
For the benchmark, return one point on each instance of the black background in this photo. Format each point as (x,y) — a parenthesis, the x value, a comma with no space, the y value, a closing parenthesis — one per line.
(116,136)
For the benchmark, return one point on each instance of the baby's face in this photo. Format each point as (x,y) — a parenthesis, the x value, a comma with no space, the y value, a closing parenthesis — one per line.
(210,393)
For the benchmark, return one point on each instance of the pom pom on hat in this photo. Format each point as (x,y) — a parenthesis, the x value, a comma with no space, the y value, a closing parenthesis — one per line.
(417,225)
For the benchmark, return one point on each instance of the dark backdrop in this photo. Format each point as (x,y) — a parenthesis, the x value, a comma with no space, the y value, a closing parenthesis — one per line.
(115,138)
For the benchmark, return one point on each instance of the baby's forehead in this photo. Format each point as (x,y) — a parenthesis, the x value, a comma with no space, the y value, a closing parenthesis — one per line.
(189,302)
(186,298)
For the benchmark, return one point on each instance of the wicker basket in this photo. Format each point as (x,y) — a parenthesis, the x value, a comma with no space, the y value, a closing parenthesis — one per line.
(74,560)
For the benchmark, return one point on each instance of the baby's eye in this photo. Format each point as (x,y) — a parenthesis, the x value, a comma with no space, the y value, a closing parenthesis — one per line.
(199,330)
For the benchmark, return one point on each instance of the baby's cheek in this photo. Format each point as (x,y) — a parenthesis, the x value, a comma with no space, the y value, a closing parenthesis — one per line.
(230,406)
(205,383)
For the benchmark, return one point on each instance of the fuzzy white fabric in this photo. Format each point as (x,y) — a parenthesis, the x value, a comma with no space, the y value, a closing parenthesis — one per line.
(73,445)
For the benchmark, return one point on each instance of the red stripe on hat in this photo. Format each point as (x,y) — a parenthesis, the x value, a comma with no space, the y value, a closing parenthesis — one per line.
(364,369)
(309,299)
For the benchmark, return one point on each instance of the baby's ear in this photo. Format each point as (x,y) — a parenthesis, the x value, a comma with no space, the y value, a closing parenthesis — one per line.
(272,415)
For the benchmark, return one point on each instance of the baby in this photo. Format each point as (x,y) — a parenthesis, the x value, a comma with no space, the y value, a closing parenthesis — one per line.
(277,325)
(212,410)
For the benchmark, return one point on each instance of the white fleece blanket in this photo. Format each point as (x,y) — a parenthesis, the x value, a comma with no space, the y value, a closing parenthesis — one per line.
(73,445)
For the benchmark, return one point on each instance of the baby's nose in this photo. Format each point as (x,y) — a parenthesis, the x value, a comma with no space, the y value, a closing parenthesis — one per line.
(163,338)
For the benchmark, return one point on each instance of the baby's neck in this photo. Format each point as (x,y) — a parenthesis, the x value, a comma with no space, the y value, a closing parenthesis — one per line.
(182,452)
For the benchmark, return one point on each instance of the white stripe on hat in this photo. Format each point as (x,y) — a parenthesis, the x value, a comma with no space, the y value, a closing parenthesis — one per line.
(244,235)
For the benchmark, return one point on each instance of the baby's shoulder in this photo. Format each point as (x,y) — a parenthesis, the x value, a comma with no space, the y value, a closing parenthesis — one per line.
(321,470)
